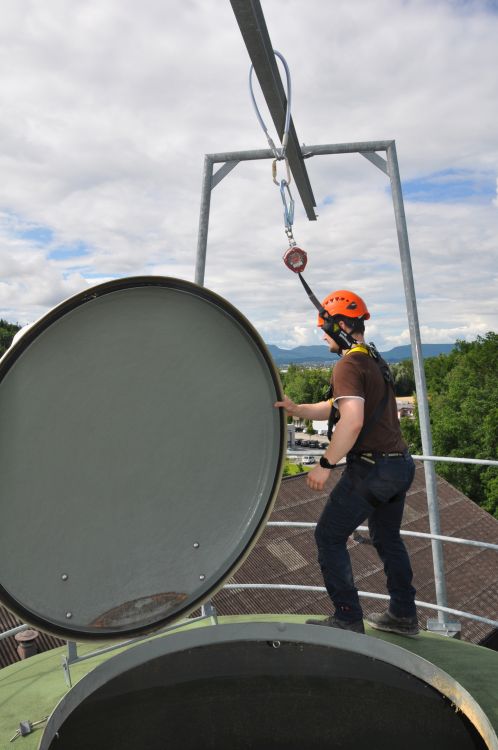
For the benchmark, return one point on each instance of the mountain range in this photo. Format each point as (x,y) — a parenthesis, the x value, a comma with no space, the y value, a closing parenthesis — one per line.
(319,354)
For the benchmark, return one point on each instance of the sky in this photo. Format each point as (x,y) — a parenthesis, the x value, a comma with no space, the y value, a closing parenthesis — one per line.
(109,106)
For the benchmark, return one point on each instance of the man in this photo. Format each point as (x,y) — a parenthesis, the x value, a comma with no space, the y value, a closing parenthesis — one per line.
(379,471)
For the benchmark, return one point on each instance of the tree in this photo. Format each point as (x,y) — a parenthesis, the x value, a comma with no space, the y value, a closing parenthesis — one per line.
(306,385)
(7,333)
(463,397)
(404,379)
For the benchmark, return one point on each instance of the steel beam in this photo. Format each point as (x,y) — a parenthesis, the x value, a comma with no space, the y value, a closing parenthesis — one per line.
(419,372)
(252,25)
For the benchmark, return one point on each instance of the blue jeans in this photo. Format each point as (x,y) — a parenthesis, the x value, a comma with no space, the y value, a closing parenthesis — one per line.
(375,492)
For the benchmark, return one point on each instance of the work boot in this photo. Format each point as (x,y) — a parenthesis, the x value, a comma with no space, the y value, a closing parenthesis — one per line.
(393,624)
(334,622)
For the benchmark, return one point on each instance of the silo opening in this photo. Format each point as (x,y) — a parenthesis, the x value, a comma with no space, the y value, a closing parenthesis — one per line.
(265,694)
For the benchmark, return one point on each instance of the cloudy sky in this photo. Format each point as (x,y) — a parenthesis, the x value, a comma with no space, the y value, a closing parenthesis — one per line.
(108,107)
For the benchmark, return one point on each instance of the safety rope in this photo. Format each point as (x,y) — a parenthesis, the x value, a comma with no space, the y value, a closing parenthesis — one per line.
(280,153)
(277,153)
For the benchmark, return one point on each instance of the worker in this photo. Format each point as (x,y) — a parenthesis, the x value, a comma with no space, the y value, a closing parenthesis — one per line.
(379,470)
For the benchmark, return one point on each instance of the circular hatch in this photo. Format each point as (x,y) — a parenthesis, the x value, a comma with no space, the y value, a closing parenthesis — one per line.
(140,454)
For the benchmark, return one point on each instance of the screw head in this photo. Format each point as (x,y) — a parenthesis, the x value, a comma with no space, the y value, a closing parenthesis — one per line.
(69,615)
(196,545)
(202,577)
(64,576)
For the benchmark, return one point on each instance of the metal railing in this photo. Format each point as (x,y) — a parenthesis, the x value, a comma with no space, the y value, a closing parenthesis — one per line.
(366,594)
(208,611)
(433,537)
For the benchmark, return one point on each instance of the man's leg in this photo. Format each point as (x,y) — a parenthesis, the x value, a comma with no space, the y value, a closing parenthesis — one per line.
(384,525)
(343,513)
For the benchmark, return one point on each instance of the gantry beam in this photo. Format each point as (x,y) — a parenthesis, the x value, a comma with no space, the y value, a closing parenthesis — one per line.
(252,25)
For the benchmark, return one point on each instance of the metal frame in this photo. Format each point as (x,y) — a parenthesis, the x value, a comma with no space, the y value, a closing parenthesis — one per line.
(388,166)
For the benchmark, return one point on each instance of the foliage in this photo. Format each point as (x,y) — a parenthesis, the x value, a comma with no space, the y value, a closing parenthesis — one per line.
(304,385)
(404,379)
(463,395)
(410,429)
(7,333)
(291,468)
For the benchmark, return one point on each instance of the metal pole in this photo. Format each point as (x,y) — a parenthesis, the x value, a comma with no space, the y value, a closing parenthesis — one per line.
(420,384)
(13,631)
(355,147)
(72,652)
(200,263)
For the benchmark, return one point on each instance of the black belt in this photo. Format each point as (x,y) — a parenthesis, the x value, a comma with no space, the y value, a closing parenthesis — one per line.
(373,456)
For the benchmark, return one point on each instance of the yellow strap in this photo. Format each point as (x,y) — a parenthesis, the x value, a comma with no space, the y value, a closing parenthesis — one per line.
(360,348)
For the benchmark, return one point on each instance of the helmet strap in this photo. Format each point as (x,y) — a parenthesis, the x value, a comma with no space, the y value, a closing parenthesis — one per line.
(343,339)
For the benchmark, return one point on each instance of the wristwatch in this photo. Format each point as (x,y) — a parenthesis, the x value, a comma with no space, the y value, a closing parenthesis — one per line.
(326,464)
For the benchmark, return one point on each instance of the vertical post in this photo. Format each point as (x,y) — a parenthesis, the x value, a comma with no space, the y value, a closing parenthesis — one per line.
(200,263)
(418,368)
(72,652)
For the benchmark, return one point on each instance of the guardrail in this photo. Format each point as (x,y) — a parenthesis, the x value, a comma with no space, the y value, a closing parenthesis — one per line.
(209,612)
(435,459)
(367,594)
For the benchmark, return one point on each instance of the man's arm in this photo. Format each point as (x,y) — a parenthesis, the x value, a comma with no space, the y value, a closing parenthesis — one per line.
(346,431)
(319,411)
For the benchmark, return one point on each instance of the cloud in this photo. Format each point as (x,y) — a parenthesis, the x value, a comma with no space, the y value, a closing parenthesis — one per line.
(108,112)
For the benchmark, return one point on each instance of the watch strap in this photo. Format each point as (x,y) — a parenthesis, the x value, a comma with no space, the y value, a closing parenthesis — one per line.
(325,464)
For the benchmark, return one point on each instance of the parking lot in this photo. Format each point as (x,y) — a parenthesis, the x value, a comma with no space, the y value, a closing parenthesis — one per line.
(307,448)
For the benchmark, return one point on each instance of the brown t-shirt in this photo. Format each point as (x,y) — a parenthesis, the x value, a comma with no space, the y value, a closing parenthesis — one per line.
(358,374)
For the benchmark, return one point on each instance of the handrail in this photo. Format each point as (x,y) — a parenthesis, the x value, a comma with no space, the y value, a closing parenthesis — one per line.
(441,459)
(311,525)
(367,594)
(457,540)
(13,631)
(298,587)
(455,460)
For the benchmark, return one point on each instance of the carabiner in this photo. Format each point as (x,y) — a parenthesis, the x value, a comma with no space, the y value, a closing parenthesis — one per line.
(288,206)
(274,172)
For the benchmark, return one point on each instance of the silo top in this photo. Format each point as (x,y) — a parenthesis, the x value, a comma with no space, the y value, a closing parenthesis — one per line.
(140,454)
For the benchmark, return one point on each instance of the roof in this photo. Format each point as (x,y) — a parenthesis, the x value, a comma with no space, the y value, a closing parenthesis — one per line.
(288,556)
(8,646)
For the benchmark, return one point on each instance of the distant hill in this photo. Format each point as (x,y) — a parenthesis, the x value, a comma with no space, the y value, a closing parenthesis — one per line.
(318,354)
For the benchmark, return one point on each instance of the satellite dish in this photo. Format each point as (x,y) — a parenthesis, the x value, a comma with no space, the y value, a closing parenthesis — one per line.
(140,455)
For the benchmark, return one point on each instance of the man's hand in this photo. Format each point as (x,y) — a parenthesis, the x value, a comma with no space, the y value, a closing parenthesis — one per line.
(289,406)
(317,477)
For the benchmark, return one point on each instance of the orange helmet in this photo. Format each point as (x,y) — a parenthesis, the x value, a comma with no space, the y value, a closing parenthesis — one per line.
(344,304)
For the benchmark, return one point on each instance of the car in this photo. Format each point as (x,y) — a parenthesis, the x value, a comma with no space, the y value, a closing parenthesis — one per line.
(298,441)
(323,445)
(308,460)
(305,443)
(313,443)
